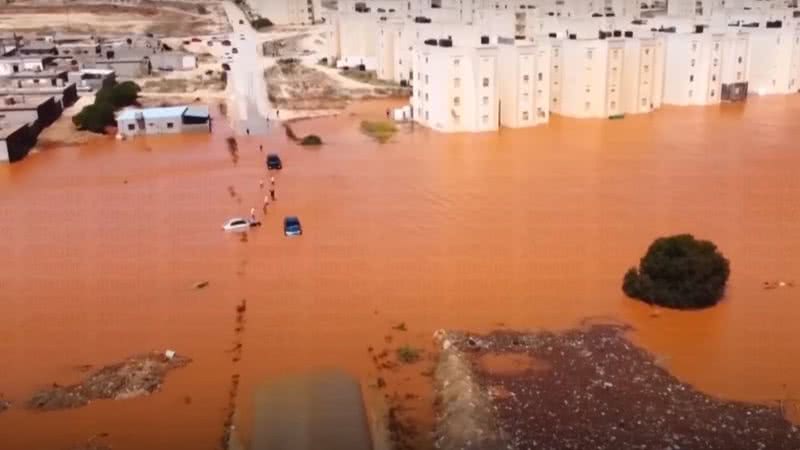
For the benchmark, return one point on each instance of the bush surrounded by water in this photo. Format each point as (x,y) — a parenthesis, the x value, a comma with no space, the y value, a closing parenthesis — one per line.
(679,272)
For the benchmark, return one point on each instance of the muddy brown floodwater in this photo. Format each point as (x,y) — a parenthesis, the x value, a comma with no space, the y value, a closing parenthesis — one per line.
(101,247)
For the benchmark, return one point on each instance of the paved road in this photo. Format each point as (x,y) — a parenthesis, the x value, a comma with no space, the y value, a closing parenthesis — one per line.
(246,78)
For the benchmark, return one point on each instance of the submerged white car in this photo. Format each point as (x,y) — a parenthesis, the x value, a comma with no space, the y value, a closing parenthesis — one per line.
(236,224)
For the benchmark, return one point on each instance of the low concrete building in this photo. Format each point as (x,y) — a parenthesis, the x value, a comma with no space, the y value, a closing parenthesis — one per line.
(65,95)
(39,111)
(92,78)
(35,79)
(123,68)
(169,120)
(173,61)
(15,64)
(38,48)
(15,141)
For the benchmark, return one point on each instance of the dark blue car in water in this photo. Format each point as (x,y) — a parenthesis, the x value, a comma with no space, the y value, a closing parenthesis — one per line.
(274,162)
(291,226)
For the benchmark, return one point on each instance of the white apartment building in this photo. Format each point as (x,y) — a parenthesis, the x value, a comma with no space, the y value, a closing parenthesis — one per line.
(735,66)
(693,68)
(774,66)
(524,82)
(589,75)
(643,75)
(456,88)
(289,11)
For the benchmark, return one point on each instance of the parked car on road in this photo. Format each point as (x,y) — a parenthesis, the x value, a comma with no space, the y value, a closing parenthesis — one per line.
(291,226)
(236,224)
(226,66)
(241,22)
(226,42)
(274,162)
(235,50)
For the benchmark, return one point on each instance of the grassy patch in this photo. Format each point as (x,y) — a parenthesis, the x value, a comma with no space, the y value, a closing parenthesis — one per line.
(381,130)
(408,355)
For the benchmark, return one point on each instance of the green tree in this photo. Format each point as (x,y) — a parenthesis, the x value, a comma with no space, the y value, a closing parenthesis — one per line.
(95,117)
(125,94)
(679,272)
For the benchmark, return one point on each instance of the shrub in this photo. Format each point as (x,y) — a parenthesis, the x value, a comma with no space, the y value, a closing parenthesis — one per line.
(95,117)
(380,130)
(261,22)
(311,139)
(679,272)
(408,355)
(118,95)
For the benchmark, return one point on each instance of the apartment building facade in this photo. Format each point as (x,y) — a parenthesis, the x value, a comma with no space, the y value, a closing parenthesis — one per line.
(524,82)
(643,74)
(591,72)
(456,88)
(774,66)
(693,68)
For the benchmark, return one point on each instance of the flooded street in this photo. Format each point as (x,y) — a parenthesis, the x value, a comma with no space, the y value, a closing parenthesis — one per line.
(102,246)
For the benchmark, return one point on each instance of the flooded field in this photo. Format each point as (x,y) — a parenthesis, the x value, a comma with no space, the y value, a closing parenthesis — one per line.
(103,245)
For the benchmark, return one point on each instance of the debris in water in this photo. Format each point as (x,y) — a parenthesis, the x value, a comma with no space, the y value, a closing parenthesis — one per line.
(201,284)
(135,377)
(4,404)
(400,326)
(169,354)
(595,385)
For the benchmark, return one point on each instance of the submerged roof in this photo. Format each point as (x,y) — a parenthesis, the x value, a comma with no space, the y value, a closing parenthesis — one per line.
(152,113)
(200,111)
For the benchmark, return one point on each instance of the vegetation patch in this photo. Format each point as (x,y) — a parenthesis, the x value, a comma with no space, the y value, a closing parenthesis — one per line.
(679,272)
(100,115)
(408,355)
(311,140)
(381,130)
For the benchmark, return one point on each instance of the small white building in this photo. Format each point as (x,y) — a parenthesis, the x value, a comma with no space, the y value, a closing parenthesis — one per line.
(168,120)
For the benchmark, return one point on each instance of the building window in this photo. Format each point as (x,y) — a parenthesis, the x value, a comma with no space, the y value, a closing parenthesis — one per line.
(716,61)
(525,78)
(712,93)
(485,119)
(690,94)
(426,79)
(647,51)
(131,127)
(646,68)
(644,102)
(456,62)
(456,82)
(427,117)
(456,101)
(691,78)
(539,76)
(170,125)
(713,78)
(740,60)
(524,115)
(426,97)
(589,54)
(716,46)
(738,76)
(485,101)
(613,105)
(587,106)
(694,47)
(692,63)
(486,82)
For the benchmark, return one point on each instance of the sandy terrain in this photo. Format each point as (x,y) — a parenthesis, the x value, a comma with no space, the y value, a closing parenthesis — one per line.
(110,20)
(301,87)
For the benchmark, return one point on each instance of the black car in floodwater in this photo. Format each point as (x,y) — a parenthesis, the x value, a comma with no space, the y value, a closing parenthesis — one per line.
(291,226)
(274,162)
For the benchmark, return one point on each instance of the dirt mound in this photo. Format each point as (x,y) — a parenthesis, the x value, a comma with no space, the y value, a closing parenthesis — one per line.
(135,377)
(592,389)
